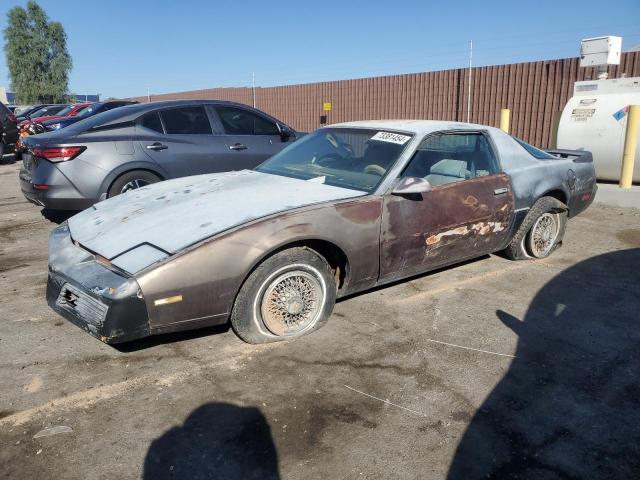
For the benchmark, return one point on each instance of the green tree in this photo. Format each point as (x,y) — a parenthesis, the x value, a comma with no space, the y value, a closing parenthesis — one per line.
(37,56)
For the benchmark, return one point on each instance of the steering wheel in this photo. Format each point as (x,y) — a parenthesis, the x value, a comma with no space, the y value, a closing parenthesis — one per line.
(375,170)
(328,158)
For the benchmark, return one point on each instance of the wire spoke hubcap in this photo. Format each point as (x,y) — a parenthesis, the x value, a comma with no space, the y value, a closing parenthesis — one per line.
(133,184)
(544,234)
(291,303)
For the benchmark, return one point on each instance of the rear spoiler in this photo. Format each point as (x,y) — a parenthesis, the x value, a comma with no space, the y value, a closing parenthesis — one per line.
(578,156)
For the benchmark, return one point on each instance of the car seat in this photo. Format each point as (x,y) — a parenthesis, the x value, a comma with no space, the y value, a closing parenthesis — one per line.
(448,170)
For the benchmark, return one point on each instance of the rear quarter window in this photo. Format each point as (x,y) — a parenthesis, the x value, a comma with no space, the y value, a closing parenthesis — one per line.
(534,152)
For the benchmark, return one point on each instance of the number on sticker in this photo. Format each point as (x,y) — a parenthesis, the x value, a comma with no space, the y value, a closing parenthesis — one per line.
(391,137)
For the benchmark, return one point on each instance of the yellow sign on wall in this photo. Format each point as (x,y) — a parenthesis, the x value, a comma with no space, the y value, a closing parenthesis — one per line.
(326,106)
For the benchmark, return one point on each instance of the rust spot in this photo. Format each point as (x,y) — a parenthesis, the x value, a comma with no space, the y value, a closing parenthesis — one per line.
(480,228)
(433,239)
(360,212)
(471,201)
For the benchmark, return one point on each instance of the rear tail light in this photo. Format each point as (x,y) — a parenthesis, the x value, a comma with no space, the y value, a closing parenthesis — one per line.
(12,118)
(58,154)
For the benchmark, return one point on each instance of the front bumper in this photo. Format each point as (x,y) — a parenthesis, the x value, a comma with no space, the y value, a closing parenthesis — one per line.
(104,302)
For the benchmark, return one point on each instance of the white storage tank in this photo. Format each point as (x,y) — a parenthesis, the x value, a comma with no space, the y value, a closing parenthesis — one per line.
(595,119)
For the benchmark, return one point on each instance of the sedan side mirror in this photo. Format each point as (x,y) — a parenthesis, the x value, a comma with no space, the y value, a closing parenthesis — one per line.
(411,186)
(285,132)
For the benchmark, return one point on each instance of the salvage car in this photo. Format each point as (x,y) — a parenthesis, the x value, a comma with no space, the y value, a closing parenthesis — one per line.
(136,145)
(346,208)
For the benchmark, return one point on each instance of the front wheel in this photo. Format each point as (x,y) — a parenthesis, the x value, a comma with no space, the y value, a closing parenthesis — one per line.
(290,294)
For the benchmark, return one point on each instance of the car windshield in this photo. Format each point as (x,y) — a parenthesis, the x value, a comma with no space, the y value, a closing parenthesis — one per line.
(46,111)
(40,112)
(65,110)
(354,158)
(88,110)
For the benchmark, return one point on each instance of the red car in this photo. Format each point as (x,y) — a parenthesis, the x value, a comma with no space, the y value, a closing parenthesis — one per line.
(68,111)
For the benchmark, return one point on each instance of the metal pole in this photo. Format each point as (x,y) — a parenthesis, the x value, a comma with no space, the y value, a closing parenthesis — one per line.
(505,117)
(469,86)
(148,95)
(253,87)
(630,143)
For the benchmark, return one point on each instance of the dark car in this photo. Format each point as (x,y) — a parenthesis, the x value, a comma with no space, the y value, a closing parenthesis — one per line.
(31,110)
(129,147)
(86,112)
(8,130)
(346,208)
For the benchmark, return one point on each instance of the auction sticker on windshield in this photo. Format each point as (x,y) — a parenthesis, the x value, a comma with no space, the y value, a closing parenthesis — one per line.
(391,137)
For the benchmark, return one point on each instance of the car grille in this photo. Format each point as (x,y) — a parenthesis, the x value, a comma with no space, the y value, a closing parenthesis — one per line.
(86,307)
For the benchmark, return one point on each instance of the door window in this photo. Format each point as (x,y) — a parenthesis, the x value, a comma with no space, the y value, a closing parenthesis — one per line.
(238,121)
(152,122)
(452,157)
(186,121)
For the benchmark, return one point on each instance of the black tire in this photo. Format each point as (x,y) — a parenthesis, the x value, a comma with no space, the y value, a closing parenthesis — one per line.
(519,248)
(143,177)
(299,264)
(2,149)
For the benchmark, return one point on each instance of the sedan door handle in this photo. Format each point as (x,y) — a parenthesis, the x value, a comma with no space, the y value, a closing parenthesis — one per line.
(500,191)
(157,146)
(238,146)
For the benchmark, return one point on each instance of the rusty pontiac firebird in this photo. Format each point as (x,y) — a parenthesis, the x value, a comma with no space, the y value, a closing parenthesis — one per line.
(344,209)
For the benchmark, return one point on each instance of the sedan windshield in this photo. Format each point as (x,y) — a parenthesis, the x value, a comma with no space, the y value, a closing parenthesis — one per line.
(354,158)
(88,110)
(45,111)
(65,110)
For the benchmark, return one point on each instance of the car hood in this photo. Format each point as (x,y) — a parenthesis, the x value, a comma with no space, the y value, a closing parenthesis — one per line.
(140,227)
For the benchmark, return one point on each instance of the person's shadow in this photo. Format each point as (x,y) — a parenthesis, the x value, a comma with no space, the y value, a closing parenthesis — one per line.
(569,405)
(217,441)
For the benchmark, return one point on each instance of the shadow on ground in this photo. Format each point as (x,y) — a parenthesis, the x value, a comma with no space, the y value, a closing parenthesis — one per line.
(57,216)
(166,338)
(569,406)
(218,441)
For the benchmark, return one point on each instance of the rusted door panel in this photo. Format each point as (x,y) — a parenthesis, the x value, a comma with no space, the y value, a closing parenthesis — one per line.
(452,222)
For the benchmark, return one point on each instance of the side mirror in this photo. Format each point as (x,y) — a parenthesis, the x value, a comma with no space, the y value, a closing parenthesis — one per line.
(285,132)
(411,186)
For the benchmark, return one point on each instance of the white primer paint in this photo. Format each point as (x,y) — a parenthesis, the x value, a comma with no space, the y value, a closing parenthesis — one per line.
(174,214)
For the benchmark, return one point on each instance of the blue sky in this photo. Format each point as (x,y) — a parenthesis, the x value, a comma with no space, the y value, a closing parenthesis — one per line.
(119,47)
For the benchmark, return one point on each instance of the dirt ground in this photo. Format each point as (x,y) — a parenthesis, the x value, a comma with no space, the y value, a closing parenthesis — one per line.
(489,369)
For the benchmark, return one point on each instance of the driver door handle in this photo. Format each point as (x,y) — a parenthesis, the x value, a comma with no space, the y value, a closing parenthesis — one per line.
(500,191)
(157,146)
(238,146)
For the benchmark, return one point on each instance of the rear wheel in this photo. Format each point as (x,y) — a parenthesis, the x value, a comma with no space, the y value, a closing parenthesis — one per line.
(290,294)
(131,181)
(541,230)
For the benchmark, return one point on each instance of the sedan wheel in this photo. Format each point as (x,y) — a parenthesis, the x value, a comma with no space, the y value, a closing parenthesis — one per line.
(133,184)
(131,181)
(544,234)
